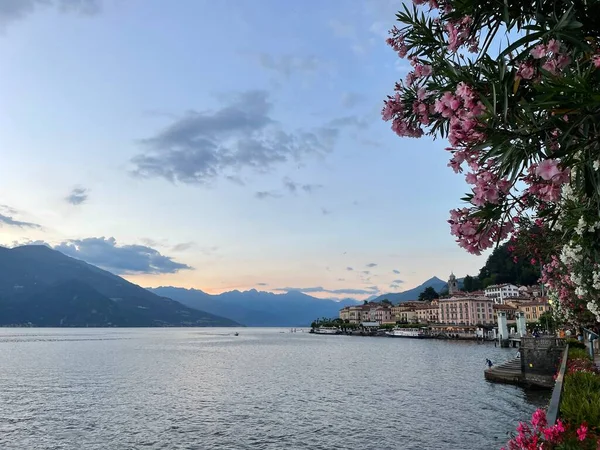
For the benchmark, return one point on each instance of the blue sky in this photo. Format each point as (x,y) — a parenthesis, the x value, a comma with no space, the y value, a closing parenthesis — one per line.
(220,145)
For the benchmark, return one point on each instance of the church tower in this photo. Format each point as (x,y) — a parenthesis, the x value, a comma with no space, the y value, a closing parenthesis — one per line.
(452,284)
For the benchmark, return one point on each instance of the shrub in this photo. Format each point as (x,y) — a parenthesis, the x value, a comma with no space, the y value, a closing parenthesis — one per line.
(580,400)
(578,353)
(574,343)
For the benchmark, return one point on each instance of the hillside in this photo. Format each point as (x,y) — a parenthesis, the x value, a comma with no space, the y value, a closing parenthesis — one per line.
(259,309)
(43,287)
(413,294)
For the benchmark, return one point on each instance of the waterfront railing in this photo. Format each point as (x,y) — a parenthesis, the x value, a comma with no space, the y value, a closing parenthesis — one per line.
(554,406)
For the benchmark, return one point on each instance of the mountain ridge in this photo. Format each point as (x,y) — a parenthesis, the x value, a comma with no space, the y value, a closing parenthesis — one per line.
(40,286)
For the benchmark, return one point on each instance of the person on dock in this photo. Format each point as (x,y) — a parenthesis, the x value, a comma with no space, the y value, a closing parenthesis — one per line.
(489,363)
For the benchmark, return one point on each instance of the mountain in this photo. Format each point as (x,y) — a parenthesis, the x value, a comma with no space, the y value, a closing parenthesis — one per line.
(413,294)
(43,287)
(259,309)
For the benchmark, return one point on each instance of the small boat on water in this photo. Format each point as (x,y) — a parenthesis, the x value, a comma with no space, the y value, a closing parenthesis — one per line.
(407,333)
(327,330)
(236,334)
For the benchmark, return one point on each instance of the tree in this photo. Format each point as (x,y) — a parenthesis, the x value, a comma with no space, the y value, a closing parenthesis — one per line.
(366,302)
(515,87)
(386,301)
(428,294)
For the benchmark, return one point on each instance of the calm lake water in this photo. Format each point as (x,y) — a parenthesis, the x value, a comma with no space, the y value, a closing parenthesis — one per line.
(265,389)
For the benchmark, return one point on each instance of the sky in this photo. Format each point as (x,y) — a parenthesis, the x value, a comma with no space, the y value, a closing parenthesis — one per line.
(220,145)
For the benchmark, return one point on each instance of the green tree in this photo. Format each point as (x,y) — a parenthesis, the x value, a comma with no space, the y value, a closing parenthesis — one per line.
(386,301)
(428,294)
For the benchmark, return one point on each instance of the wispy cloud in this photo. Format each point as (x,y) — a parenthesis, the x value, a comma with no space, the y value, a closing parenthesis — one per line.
(349,268)
(398,281)
(351,99)
(201,147)
(120,259)
(11,10)
(9,221)
(288,65)
(183,246)
(77,196)
(325,211)
(262,284)
(319,289)
(293,187)
(261,195)
(397,272)
(371,265)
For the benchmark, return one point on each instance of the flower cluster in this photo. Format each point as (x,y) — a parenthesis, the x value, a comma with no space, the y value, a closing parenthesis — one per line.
(539,435)
(517,125)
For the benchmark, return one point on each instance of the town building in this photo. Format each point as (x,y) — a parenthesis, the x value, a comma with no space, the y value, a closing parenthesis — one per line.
(428,312)
(511,312)
(405,312)
(466,311)
(500,292)
(370,312)
(534,309)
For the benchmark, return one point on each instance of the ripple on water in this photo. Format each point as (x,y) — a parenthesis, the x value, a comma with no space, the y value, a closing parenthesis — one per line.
(190,389)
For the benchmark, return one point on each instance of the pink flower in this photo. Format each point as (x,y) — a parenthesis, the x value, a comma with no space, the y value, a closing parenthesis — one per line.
(582,432)
(553,46)
(526,71)
(548,169)
(596,61)
(538,419)
(539,51)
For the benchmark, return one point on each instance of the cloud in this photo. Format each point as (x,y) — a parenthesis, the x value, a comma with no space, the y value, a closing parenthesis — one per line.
(262,284)
(201,147)
(341,279)
(261,195)
(77,196)
(349,121)
(371,265)
(398,281)
(124,259)
(366,272)
(349,268)
(397,272)
(342,30)
(11,10)
(10,222)
(351,99)
(294,187)
(29,242)
(325,211)
(394,286)
(182,247)
(319,289)
(288,65)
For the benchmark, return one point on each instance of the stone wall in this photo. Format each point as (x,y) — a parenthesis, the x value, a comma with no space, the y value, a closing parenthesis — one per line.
(540,358)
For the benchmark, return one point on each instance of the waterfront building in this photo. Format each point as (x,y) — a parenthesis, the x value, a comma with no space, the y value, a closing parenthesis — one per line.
(466,311)
(534,309)
(428,312)
(371,312)
(500,292)
(511,312)
(405,312)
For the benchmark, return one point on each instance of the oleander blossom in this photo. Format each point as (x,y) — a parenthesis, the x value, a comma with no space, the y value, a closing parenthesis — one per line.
(518,124)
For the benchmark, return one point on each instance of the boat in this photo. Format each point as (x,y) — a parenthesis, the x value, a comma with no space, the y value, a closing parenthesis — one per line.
(407,333)
(236,334)
(327,330)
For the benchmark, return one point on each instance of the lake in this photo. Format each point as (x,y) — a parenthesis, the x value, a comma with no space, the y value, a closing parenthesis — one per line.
(265,389)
